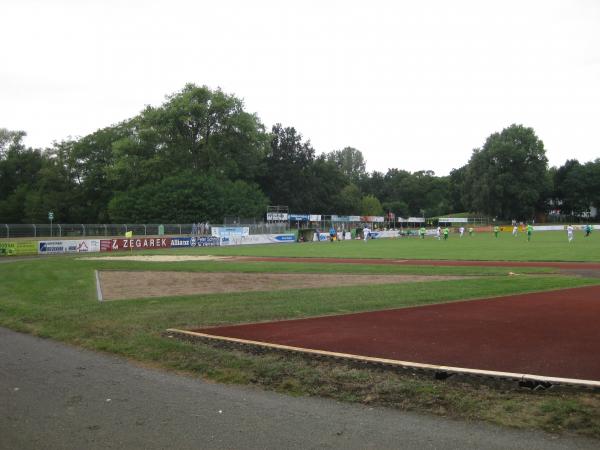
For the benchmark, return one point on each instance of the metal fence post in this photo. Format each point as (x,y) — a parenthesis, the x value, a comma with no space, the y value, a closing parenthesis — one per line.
(59,230)
(179,228)
(145,231)
(7,230)
(105,231)
(83,227)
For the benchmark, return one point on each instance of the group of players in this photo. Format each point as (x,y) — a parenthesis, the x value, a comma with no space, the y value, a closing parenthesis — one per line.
(444,233)
(439,232)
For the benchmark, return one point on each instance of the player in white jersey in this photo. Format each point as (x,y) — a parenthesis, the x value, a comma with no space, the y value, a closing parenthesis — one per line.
(570,233)
(366,233)
(461,231)
(515,230)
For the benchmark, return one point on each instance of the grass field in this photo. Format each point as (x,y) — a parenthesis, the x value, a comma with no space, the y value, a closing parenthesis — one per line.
(55,297)
(544,246)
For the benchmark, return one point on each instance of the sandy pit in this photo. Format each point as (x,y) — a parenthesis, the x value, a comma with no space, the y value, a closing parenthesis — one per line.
(120,285)
(158,258)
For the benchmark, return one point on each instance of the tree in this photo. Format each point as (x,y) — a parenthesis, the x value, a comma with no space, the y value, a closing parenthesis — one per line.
(325,181)
(10,140)
(288,177)
(506,178)
(206,131)
(456,186)
(571,188)
(348,201)
(370,206)
(350,161)
(188,198)
(19,174)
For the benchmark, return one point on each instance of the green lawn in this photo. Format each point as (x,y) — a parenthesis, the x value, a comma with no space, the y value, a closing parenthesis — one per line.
(55,298)
(544,246)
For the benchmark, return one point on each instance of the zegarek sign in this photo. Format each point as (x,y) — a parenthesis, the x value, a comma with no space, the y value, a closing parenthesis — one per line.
(134,244)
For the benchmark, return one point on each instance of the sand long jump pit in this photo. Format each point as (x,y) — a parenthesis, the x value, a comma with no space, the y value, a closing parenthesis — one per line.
(122,284)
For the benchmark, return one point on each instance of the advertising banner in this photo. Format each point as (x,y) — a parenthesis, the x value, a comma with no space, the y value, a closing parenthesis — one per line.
(53,247)
(453,219)
(321,237)
(277,217)
(230,231)
(371,219)
(179,242)
(18,248)
(202,241)
(299,217)
(267,239)
(87,245)
(68,246)
(341,218)
(206,241)
(384,234)
(314,217)
(114,245)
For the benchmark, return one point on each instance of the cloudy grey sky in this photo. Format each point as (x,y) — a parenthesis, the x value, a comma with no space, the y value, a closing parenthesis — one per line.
(413,85)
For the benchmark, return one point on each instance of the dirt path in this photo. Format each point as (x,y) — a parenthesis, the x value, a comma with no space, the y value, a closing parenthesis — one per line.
(118,285)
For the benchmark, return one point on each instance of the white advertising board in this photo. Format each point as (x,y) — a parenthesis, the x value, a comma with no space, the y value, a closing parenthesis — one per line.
(68,246)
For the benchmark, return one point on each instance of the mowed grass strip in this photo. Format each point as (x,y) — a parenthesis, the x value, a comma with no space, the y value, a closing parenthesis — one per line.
(56,298)
(544,246)
(290,267)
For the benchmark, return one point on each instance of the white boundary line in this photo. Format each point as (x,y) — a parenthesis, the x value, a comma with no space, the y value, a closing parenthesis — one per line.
(397,363)
(98,287)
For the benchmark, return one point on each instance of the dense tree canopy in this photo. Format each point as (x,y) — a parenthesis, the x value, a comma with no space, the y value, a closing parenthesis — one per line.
(507,177)
(201,156)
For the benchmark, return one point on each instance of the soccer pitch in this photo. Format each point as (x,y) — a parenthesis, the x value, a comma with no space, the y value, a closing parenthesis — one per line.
(544,246)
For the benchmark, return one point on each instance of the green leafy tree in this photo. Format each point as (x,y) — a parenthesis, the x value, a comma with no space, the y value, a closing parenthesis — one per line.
(350,161)
(206,131)
(348,201)
(507,178)
(188,198)
(370,206)
(288,179)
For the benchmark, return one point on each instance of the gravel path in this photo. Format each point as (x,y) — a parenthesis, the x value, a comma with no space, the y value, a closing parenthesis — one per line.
(54,396)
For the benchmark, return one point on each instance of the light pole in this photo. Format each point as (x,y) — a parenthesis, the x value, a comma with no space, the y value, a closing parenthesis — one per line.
(51,217)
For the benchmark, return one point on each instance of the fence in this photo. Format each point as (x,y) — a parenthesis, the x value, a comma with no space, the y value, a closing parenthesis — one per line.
(106,230)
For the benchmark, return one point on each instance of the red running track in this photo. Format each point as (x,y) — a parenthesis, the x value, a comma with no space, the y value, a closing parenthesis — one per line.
(432,262)
(553,334)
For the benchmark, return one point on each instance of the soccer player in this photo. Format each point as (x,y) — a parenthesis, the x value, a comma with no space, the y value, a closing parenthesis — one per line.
(470,231)
(422,232)
(462,231)
(529,229)
(588,230)
(438,232)
(366,233)
(570,233)
(496,230)
(515,230)
(446,231)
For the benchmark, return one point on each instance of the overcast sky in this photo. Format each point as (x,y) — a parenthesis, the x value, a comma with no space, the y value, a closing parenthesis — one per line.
(413,85)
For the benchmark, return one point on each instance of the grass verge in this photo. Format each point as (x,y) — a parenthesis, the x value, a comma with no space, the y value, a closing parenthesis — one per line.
(55,298)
